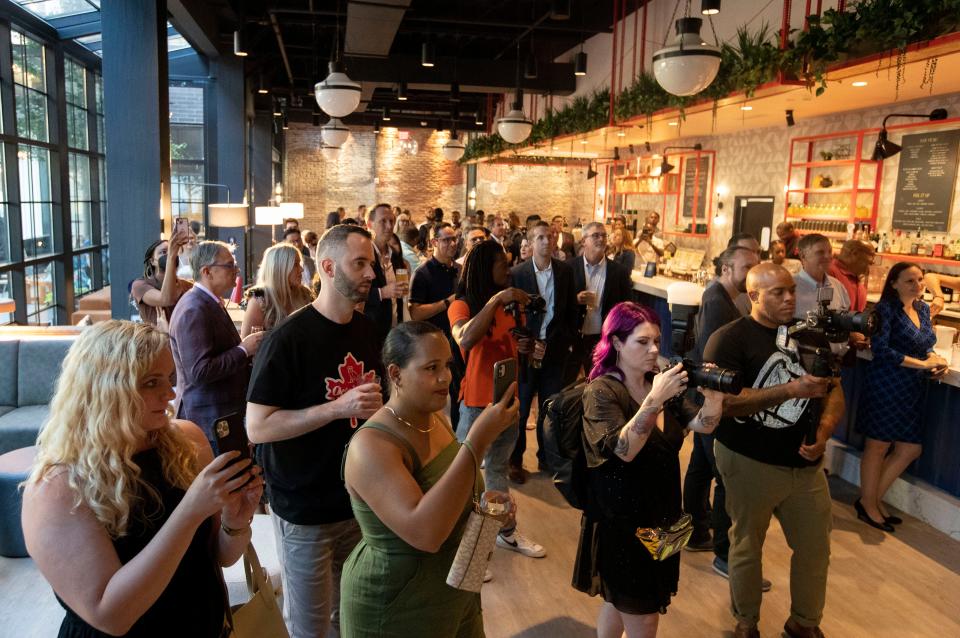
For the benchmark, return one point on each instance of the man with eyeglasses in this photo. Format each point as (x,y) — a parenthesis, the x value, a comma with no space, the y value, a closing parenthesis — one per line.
(475,236)
(431,293)
(600,284)
(213,363)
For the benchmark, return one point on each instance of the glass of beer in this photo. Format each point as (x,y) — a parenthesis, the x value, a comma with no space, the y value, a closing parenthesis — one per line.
(591,299)
(403,276)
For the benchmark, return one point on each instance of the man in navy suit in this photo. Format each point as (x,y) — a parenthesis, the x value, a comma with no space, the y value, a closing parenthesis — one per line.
(600,284)
(213,363)
(555,328)
(385,303)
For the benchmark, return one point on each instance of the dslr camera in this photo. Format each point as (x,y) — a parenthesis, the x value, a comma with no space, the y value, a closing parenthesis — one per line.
(710,377)
(536,306)
(835,325)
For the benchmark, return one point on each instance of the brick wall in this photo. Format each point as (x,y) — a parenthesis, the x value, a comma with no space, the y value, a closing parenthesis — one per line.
(375,168)
(529,189)
(370,169)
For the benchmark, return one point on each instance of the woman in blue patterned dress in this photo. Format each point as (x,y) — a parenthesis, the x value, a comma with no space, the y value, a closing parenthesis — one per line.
(889,415)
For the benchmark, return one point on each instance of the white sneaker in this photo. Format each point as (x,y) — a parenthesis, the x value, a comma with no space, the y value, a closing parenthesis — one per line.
(517,542)
(487,575)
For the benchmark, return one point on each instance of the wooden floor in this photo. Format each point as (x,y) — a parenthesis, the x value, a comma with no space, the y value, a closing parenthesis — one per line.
(902,585)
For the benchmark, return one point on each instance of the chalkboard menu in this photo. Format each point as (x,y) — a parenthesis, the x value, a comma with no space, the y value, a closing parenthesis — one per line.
(695,184)
(925,181)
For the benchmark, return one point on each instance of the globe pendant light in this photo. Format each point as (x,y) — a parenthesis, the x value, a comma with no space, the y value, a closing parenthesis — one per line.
(454,149)
(337,95)
(334,133)
(689,65)
(515,127)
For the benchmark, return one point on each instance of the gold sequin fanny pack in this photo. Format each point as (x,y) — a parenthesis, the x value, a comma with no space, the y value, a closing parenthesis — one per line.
(664,543)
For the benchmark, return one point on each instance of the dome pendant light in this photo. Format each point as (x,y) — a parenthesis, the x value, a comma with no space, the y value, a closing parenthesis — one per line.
(454,149)
(689,65)
(515,127)
(334,133)
(337,95)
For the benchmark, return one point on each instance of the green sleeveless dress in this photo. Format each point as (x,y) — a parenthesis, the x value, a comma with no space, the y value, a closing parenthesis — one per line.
(391,589)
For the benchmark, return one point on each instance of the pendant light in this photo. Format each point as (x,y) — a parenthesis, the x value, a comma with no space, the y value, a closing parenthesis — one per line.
(710,7)
(402,91)
(885,148)
(238,49)
(428,55)
(689,65)
(386,114)
(530,69)
(337,95)
(334,133)
(262,88)
(454,149)
(580,64)
(515,127)
(665,166)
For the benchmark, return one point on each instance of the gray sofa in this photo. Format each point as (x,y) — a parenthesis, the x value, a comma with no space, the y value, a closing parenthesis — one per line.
(29,369)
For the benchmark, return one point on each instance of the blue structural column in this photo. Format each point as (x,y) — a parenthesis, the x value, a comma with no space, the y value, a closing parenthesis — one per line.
(138,136)
(261,180)
(230,141)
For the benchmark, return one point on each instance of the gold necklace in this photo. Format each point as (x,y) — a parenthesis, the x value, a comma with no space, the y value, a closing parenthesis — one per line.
(408,424)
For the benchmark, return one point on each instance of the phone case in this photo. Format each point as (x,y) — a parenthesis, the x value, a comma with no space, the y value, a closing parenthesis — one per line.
(231,436)
(504,373)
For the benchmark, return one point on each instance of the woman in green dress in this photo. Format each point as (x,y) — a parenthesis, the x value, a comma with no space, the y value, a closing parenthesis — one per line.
(411,484)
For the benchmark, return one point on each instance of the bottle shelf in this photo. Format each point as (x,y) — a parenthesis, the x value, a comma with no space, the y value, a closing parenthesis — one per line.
(829,163)
(923,259)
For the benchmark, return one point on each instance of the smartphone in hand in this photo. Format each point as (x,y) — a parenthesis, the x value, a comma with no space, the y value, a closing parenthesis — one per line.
(231,436)
(504,373)
(181,225)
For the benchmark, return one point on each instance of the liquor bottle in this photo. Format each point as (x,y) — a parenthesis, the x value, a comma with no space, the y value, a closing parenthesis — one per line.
(895,243)
(938,247)
(948,249)
(883,245)
(915,244)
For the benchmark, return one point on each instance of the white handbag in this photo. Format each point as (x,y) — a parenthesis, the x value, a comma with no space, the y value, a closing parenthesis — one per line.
(261,616)
(476,545)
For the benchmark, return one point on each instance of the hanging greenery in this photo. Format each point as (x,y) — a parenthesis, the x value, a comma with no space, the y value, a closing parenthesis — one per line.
(869,27)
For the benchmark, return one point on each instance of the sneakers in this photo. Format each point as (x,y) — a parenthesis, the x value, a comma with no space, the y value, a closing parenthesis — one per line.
(517,542)
(721,567)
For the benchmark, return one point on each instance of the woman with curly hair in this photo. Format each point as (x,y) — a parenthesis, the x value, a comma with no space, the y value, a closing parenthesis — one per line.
(126,512)
(279,290)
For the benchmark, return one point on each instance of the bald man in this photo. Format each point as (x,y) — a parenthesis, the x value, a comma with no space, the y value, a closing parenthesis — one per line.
(766,465)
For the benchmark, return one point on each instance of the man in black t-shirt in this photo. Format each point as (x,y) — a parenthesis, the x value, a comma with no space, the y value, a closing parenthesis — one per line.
(431,293)
(763,459)
(314,378)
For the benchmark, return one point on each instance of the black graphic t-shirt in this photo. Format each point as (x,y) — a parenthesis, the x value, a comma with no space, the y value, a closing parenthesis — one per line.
(773,435)
(305,361)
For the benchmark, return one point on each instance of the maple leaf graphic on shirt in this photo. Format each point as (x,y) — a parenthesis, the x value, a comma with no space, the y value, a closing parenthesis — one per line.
(351,375)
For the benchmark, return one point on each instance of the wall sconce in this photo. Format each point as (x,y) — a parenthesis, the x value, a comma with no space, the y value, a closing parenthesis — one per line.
(885,148)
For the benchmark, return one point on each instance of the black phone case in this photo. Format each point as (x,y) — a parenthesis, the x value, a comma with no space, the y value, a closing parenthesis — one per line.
(504,373)
(230,436)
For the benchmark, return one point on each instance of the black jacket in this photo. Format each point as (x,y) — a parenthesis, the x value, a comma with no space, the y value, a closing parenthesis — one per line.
(617,287)
(379,310)
(563,326)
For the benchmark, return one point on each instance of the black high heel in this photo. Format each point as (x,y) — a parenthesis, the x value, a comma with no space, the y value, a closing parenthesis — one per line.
(892,520)
(863,516)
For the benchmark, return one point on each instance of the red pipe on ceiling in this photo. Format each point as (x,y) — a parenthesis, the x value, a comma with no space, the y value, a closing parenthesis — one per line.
(643,39)
(613,57)
(785,26)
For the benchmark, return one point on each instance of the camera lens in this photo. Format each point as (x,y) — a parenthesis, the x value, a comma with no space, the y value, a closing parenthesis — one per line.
(713,378)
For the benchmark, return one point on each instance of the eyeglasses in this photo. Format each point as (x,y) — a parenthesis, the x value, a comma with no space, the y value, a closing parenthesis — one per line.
(597,236)
(446,240)
(231,266)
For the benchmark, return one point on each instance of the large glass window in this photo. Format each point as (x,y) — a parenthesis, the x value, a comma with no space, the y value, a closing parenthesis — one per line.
(81,221)
(30,87)
(36,205)
(41,293)
(75,77)
(187,151)
(4,218)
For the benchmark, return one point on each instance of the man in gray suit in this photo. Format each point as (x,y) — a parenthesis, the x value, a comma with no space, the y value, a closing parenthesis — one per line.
(213,364)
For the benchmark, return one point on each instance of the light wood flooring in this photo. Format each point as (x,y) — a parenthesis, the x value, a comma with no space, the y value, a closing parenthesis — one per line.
(881,585)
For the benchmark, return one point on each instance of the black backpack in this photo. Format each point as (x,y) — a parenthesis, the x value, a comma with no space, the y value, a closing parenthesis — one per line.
(563,443)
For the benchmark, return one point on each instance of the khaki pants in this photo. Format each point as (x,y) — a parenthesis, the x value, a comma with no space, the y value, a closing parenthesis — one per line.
(800,499)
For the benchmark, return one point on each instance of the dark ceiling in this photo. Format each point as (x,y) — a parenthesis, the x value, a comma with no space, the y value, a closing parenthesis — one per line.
(476,44)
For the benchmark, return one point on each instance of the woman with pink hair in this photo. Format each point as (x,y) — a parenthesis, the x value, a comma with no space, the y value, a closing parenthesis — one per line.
(633,470)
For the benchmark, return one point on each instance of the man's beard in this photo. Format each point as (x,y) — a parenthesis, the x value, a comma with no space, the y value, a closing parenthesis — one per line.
(348,288)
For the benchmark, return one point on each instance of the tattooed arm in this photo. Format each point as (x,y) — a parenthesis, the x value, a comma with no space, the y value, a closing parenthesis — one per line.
(636,431)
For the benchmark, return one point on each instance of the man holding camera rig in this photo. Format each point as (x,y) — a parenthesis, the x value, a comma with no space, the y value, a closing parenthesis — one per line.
(769,463)
(551,322)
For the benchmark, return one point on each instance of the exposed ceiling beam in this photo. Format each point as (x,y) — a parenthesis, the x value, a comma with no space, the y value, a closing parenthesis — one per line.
(197,23)
(283,50)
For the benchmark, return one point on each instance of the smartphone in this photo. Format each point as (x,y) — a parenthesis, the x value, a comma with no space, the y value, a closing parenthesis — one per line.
(504,373)
(230,436)
(181,225)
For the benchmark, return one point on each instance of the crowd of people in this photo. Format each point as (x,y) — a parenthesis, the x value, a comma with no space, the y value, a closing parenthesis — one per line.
(363,369)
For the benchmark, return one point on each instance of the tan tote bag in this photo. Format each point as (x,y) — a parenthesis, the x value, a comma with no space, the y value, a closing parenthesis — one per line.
(261,616)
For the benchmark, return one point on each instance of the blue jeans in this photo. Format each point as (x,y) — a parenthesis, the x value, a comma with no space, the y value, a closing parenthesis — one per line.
(498,454)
